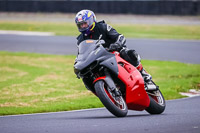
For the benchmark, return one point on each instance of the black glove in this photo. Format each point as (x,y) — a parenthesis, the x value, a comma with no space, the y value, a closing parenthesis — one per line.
(115,47)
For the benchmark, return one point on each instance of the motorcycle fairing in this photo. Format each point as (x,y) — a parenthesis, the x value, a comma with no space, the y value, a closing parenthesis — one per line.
(111,64)
(136,96)
(91,52)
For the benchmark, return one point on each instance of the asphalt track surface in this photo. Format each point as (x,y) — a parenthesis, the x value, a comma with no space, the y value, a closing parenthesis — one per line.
(180,116)
(186,51)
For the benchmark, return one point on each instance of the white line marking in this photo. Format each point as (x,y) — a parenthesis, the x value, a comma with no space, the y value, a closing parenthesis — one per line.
(27,33)
(82,110)
(191,93)
(185,98)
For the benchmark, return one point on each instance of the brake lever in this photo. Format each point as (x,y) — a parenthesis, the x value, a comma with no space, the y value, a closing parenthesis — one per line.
(99,39)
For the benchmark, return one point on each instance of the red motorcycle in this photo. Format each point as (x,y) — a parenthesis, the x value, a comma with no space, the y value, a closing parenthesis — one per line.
(117,83)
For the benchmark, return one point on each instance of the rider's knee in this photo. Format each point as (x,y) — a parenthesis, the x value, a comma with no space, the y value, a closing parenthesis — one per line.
(131,56)
(134,57)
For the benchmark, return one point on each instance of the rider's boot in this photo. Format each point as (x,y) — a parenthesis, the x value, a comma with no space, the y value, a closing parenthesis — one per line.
(147,77)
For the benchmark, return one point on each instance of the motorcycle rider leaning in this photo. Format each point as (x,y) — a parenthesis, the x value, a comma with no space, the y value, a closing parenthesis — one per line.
(91,29)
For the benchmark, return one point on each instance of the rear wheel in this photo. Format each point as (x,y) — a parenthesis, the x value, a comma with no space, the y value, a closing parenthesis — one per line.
(115,104)
(157,102)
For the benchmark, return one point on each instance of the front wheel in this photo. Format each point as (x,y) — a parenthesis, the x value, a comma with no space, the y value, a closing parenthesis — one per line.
(157,102)
(115,104)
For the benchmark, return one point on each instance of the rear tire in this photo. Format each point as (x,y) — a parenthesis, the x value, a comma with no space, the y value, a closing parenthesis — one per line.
(103,92)
(157,102)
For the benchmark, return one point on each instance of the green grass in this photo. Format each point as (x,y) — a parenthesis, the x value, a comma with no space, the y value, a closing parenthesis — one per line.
(32,83)
(129,30)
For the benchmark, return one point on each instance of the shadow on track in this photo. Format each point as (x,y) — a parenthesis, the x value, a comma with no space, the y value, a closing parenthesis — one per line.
(103,117)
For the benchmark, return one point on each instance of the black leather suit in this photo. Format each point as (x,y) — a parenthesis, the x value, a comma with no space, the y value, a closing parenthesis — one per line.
(111,36)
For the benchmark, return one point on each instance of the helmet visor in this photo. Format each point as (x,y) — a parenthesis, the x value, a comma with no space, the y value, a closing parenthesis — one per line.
(82,26)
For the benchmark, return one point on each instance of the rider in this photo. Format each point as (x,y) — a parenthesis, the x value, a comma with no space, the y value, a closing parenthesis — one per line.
(91,29)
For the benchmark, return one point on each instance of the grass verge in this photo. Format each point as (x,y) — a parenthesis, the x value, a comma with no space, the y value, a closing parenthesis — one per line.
(129,30)
(32,83)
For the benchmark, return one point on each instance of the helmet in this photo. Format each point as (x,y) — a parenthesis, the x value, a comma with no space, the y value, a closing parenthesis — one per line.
(85,17)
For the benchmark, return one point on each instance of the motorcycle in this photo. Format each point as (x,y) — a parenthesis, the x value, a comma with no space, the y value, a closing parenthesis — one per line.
(117,83)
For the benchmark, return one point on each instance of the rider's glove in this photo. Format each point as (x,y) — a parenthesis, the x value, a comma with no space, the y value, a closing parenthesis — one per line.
(115,47)
(119,44)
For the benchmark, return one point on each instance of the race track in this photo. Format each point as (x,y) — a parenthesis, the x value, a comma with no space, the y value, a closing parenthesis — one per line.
(186,51)
(180,116)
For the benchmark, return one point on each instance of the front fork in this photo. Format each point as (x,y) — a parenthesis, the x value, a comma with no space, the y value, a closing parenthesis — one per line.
(109,81)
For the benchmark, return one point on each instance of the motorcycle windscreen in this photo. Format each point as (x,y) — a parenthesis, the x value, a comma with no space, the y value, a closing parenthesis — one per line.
(89,52)
(85,48)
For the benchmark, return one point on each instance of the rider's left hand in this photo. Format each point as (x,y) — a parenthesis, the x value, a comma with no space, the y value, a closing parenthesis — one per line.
(115,47)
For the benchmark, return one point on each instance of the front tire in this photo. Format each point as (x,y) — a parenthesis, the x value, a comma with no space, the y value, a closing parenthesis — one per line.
(157,102)
(116,105)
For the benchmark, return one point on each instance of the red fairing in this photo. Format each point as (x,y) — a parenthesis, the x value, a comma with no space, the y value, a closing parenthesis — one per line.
(136,96)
